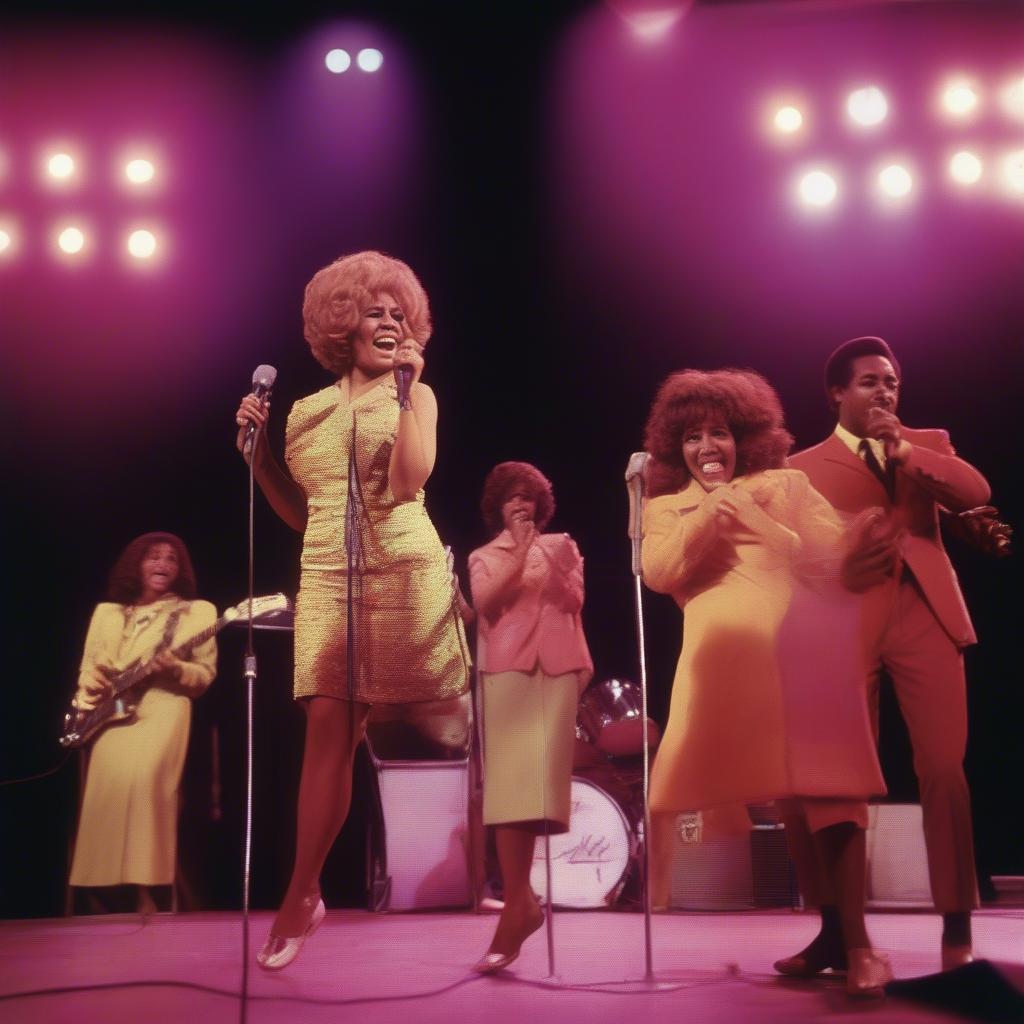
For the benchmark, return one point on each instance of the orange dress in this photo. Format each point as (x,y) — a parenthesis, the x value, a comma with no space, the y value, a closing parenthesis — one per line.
(768,700)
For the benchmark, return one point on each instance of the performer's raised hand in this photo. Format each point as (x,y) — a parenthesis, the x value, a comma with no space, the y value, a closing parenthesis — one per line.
(252,411)
(884,425)
(523,529)
(410,353)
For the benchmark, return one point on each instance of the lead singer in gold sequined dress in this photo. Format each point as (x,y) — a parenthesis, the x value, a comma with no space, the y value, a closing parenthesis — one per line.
(376,620)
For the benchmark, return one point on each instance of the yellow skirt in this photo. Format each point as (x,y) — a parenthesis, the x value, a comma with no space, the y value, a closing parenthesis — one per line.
(529,730)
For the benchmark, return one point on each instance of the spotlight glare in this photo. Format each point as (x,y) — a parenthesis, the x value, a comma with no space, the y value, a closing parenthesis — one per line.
(142,244)
(1012,98)
(867,106)
(959,98)
(138,172)
(6,240)
(818,188)
(71,240)
(338,61)
(788,120)
(651,26)
(370,60)
(1013,171)
(60,166)
(965,168)
(895,181)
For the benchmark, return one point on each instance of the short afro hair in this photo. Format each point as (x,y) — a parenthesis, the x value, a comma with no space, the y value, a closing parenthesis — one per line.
(839,365)
(503,481)
(743,399)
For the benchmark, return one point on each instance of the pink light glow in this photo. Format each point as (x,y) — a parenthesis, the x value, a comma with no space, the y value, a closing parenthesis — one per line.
(88,330)
(665,190)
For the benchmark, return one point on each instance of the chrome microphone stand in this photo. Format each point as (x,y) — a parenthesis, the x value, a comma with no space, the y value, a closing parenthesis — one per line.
(635,481)
(250,682)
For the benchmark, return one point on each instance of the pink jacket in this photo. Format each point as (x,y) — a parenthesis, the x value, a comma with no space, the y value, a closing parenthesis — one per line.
(541,625)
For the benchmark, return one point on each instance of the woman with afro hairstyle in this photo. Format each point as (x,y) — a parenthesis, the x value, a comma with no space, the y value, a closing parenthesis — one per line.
(768,700)
(527,591)
(376,618)
(128,826)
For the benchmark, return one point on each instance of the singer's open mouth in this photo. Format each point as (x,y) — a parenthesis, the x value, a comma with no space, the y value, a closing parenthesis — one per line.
(385,343)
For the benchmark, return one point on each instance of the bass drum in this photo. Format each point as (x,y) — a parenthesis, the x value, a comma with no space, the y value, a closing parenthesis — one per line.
(589,863)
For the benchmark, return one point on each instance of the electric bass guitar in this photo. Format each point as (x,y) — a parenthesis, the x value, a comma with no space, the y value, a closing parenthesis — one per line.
(80,725)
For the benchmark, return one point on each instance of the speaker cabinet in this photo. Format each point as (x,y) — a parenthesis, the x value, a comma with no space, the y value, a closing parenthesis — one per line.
(897,859)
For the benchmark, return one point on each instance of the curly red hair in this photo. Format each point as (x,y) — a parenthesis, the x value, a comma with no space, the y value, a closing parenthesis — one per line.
(338,294)
(124,585)
(743,399)
(505,480)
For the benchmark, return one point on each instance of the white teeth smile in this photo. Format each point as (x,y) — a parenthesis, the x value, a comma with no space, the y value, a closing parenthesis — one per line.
(385,344)
(712,467)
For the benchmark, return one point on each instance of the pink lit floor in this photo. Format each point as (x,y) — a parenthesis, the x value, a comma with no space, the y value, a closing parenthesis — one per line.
(414,968)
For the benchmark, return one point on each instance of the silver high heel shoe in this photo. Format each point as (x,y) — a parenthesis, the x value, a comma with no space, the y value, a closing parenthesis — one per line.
(869,973)
(280,950)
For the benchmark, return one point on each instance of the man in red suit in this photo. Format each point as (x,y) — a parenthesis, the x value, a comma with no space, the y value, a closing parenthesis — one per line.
(915,622)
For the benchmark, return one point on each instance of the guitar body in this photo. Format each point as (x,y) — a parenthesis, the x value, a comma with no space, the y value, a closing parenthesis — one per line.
(82,725)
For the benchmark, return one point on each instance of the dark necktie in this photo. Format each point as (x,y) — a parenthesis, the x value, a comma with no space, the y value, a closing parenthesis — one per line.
(871,461)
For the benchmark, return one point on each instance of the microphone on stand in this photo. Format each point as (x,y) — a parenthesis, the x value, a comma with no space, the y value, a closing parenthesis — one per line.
(636,481)
(403,381)
(263,378)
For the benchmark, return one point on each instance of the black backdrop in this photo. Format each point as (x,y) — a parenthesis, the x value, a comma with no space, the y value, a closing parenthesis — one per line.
(528,363)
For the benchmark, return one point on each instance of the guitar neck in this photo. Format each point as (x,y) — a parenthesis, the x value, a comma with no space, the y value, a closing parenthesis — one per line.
(130,676)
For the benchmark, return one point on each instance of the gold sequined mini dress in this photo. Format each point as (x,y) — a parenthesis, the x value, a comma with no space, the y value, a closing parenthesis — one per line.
(398,603)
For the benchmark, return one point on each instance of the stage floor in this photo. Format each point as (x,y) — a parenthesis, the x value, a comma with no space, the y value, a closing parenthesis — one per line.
(414,967)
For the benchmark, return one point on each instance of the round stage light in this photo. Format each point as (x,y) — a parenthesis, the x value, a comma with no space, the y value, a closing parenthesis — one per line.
(71,240)
(868,106)
(60,166)
(960,98)
(6,241)
(895,181)
(788,120)
(1013,171)
(142,244)
(818,188)
(139,171)
(370,60)
(338,61)
(965,168)
(1011,99)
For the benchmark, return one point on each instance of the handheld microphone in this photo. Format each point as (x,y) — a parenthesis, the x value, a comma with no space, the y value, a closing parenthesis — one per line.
(263,378)
(636,480)
(403,381)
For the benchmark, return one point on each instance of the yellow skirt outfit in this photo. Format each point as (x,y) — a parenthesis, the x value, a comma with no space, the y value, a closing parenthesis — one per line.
(128,828)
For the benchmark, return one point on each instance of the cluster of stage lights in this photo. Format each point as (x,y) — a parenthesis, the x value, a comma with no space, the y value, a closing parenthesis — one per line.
(72,236)
(338,61)
(868,108)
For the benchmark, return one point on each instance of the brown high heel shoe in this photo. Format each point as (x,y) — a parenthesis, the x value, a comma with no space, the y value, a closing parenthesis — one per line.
(867,974)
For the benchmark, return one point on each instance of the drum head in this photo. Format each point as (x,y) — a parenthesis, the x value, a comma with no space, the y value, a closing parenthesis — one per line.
(589,861)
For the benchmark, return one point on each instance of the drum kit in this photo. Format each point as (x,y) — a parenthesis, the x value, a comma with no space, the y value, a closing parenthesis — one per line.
(597,863)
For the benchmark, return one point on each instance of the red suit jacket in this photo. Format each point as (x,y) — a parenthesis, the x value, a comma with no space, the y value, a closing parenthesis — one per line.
(931,476)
